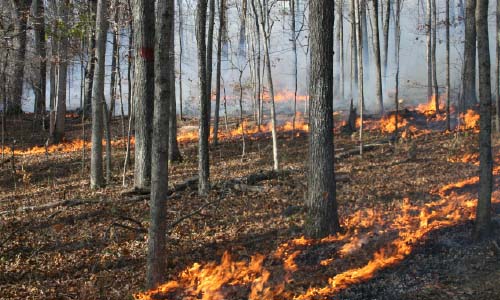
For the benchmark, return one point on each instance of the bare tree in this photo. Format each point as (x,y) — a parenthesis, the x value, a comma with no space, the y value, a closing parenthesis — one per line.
(144,27)
(448,90)
(210,43)
(482,227)
(20,14)
(433,55)
(39,26)
(497,121)
(266,27)
(89,70)
(322,217)
(468,95)
(164,62)
(387,23)
(376,53)
(428,29)
(204,126)
(222,9)
(361,95)
(96,176)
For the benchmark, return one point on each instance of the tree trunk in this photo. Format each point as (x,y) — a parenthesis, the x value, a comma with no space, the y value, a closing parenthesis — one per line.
(322,217)
(497,121)
(107,129)
(210,42)
(258,64)
(361,95)
(434,63)
(114,60)
(428,29)
(90,69)
(354,52)
(144,27)
(40,88)
(376,52)
(396,52)
(164,61)
(243,25)
(62,75)
(387,24)
(96,176)
(469,68)
(174,154)
(222,9)
(266,29)
(204,126)
(448,90)
(341,49)
(20,14)
(181,48)
(482,227)
(295,64)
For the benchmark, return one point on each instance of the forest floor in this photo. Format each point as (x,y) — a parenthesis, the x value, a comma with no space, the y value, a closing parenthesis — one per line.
(406,211)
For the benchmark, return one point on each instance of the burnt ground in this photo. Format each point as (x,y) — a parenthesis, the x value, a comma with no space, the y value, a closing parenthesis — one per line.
(97,250)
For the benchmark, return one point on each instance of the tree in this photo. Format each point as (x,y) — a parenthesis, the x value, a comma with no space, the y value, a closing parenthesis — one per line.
(144,28)
(57,135)
(448,90)
(218,75)
(96,176)
(433,54)
(361,90)
(468,98)
(89,70)
(20,13)
(266,27)
(321,204)
(482,227)
(428,25)
(164,62)
(386,22)
(210,43)
(498,68)
(376,53)
(39,26)
(204,130)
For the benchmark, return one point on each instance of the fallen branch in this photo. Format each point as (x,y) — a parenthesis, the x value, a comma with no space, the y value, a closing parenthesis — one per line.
(354,151)
(141,230)
(67,203)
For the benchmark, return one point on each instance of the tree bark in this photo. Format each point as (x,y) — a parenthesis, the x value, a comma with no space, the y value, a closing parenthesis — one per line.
(144,27)
(387,23)
(90,69)
(40,88)
(376,52)
(181,48)
(497,121)
(204,126)
(448,90)
(482,227)
(96,175)
(469,68)
(20,15)
(210,42)
(428,29)
(222,9)
(434,63)
(164,62)
(62,75)
(322,219)
(361,95)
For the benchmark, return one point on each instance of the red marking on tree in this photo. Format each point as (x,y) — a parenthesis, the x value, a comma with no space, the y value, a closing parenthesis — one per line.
(147,53)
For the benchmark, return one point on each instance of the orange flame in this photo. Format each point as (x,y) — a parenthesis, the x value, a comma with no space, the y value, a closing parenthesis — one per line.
(470,120)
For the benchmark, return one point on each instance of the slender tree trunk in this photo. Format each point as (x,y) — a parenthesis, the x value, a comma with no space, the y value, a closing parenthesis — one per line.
(62,75)
(96,176)
(363,6)
(266,29)
(376,50)
(469,68)
(174,154)
(257,67)
(181,49)
(387,24)
(243,25)
(428,29)
(483,212)
(90,70)
(40,89)
(144,28)
(114,60)
(295,64)
(361,97)
(20,14)
(497,119)
(210,42)
(164,59)
(396,52)
(448,90)
(322,217)
(204,126)
(242,122)
(218,75)
(354,52)
(107,130)
(434,63)
(341,49)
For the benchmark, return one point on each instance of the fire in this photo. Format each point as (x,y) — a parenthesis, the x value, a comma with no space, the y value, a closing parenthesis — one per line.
(470,120)
(284,96)
(429,108)
(66,146)
(408,222)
